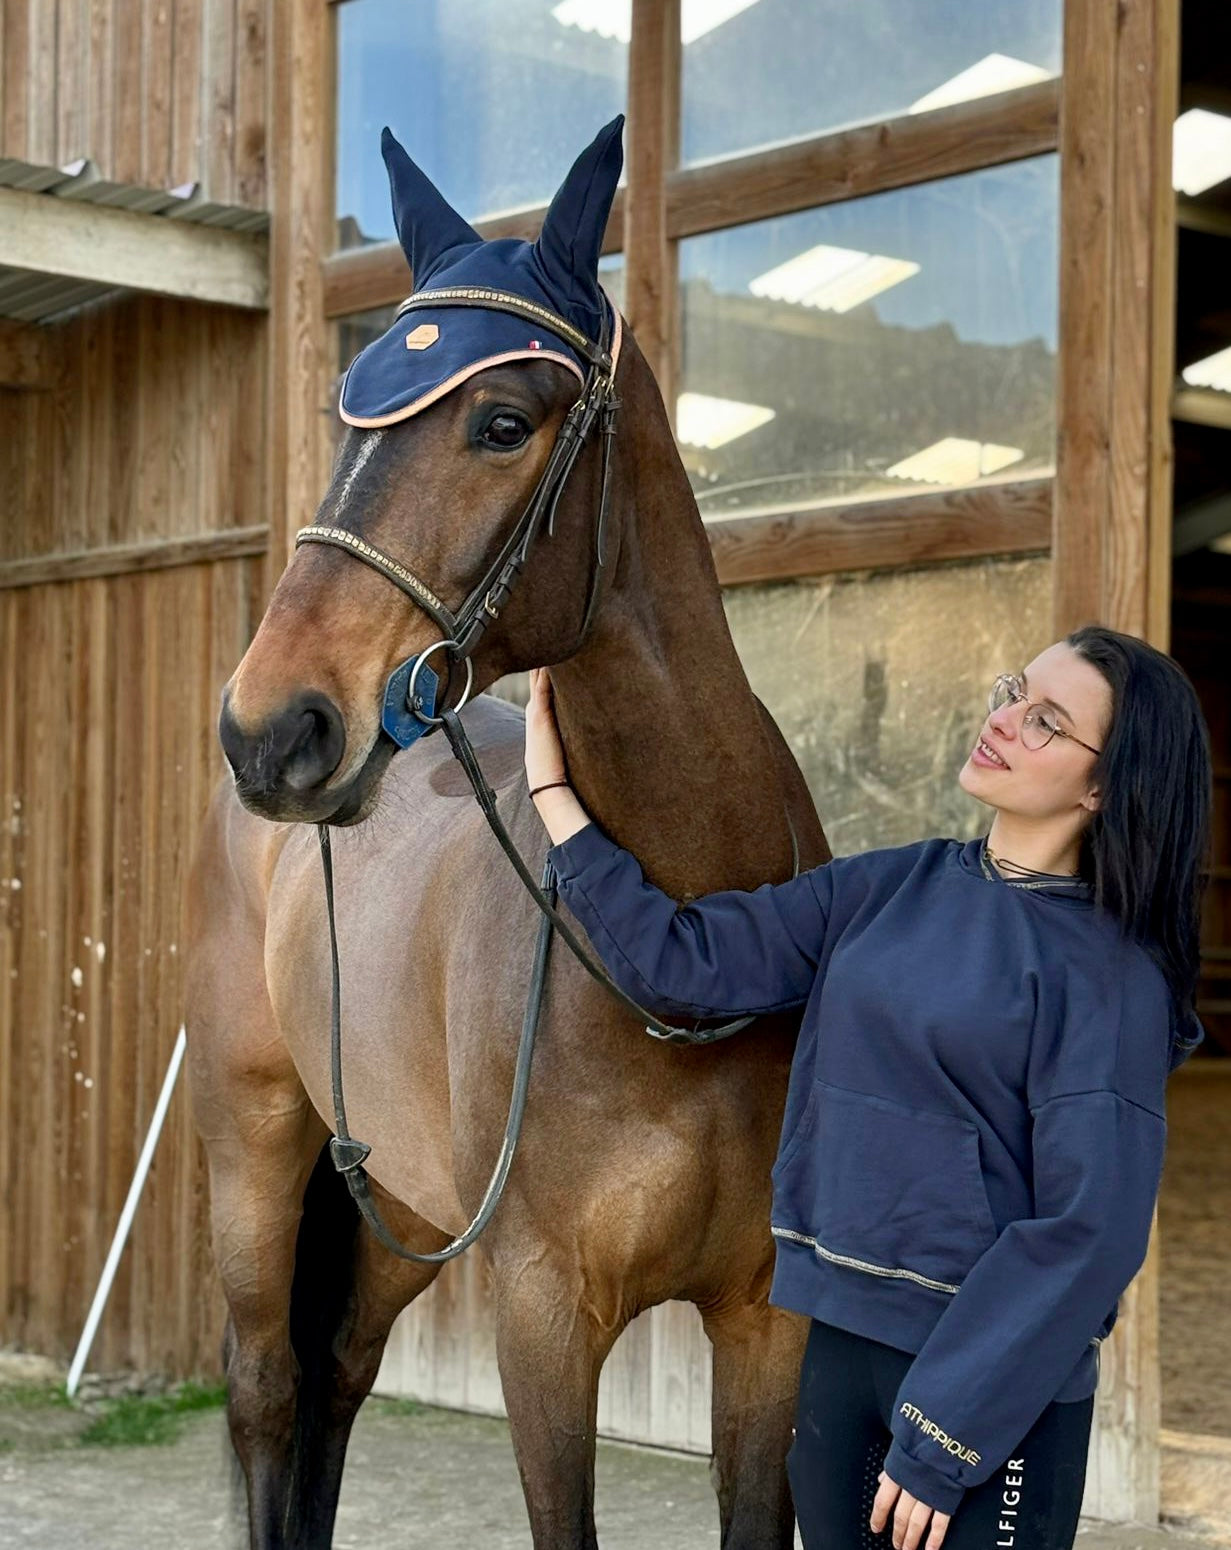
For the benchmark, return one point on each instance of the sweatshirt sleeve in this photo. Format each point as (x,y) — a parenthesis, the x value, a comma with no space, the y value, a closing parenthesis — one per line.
(725,954)
(1025,1313)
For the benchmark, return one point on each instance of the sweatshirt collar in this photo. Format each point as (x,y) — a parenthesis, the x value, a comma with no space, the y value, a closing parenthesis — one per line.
(974,859)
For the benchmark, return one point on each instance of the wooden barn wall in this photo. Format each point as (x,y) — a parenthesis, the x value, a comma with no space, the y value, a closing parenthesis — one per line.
(156,92)
(108,698)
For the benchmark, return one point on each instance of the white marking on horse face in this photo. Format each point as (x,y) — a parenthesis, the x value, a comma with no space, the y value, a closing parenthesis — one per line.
(371,442)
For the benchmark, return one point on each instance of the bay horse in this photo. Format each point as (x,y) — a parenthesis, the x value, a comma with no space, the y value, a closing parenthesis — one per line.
(644,1169)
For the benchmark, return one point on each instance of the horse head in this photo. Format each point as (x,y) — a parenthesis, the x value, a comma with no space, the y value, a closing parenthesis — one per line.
(478,430)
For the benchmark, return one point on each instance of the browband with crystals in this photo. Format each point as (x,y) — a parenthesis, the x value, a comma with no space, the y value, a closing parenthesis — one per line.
(506,301)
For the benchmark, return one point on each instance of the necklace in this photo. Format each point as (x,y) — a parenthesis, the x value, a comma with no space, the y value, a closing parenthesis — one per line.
(1018,870)
(1025,877)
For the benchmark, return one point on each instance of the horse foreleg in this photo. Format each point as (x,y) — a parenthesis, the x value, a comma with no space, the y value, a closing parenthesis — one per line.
(257,1183)
(551,1347)
(346,1360)
(757,1352)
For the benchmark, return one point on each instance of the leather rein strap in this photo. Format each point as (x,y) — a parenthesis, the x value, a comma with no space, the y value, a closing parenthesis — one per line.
(462,632)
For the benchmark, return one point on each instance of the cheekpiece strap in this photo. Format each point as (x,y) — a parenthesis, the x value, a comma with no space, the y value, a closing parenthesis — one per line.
(393,570)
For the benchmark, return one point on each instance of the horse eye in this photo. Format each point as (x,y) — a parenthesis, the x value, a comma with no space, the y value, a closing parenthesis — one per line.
(506,431)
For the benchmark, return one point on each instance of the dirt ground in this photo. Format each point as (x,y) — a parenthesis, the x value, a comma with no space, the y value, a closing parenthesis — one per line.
(1194,1212)
(429,1480)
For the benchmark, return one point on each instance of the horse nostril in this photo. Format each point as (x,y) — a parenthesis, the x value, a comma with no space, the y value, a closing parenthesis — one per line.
(298,749)
(313,742)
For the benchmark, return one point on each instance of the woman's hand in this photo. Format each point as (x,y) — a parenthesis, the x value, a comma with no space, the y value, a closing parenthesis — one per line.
(544,750)
(561,812)
(910,1517)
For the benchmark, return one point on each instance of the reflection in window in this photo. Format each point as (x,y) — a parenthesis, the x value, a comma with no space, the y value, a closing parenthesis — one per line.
(836,62)
(493,99)
(890,345)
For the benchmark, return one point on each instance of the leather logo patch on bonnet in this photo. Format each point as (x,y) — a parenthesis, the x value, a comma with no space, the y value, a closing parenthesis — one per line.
(423,337)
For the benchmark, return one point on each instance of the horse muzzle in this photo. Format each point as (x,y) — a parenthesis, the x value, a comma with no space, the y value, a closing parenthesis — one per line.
(283,764)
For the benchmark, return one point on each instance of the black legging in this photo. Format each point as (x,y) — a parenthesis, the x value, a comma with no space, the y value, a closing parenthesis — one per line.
(846,1393)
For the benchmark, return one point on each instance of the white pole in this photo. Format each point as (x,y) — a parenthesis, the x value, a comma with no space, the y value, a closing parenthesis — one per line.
(126,1215)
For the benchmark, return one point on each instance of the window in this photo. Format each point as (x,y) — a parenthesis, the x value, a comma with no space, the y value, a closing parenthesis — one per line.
(492,98)
(890,345)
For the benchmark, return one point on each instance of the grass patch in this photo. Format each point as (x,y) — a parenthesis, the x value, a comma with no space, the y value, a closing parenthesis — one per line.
(33,1396)
(390,1406)
(137,1421)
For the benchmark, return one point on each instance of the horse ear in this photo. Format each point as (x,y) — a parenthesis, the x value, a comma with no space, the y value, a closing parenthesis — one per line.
(427,224)
(571,240)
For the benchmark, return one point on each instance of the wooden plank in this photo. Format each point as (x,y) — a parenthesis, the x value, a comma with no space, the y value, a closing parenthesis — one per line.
(898,153)
(27,356)
(1201,406)
(186,92)
(652,142)
(218,106)
(41,110)
(15,24)
(157,77)
(301,366)
(129,559)
(101,95)
(72,80)
(251,64)
(995,518)
(1083,395)
(127,93)
(120,247)
(358,279)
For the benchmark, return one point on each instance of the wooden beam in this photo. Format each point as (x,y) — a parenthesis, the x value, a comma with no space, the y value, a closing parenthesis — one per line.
(298,442)
(652,142)
(824,169)
(1112,544)
(1201,406)
(358,279)
(106,246)
(127,559)
(1111,549)
(27,359)
(995,518)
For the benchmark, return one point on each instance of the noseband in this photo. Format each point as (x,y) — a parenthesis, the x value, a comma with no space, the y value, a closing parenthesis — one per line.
(409,712)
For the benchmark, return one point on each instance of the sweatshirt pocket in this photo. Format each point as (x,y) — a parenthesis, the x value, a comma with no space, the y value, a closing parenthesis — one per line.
(884,1188)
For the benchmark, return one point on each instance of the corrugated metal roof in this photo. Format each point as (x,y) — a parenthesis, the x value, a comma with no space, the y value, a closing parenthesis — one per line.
(33,297)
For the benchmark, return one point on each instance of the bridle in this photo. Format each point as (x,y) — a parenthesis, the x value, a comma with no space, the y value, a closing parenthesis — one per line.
(409,711)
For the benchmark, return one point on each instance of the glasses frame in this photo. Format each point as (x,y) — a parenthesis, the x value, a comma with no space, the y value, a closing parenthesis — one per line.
(1017,696)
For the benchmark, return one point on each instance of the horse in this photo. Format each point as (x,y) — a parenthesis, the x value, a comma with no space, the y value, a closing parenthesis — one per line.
(643,1172)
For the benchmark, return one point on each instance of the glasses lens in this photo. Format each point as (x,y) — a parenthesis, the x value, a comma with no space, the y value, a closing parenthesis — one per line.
(1038,728)
(1003,690)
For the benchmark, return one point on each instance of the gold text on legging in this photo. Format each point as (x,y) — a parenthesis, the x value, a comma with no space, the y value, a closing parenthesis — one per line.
(930,1429)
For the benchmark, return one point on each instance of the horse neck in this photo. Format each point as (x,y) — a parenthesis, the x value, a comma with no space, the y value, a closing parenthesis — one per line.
(666,743)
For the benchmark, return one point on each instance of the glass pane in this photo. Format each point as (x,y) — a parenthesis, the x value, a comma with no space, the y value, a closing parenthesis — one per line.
(879,683)
(493,98)
(886,346)
(756,71)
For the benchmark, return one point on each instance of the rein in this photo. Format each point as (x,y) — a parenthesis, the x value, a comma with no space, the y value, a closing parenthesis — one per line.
(409,713)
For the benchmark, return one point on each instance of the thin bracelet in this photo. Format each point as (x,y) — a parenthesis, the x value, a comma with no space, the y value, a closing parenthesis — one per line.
(549,785)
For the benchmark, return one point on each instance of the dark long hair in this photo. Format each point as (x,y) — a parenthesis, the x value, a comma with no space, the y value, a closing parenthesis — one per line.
(1147,847)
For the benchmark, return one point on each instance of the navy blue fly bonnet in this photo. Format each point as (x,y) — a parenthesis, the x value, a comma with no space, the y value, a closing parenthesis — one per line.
(431,350)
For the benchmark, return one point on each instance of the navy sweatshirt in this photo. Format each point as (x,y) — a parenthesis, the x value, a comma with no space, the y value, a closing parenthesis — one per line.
(974,1126)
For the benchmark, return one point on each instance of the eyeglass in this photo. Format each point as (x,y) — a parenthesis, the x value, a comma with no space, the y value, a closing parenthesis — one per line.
(1039,724)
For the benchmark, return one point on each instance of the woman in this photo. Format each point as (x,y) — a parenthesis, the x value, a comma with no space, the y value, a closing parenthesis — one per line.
(974,1127)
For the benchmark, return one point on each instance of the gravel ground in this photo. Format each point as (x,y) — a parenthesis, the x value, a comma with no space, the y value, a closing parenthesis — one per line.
(429,1479)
